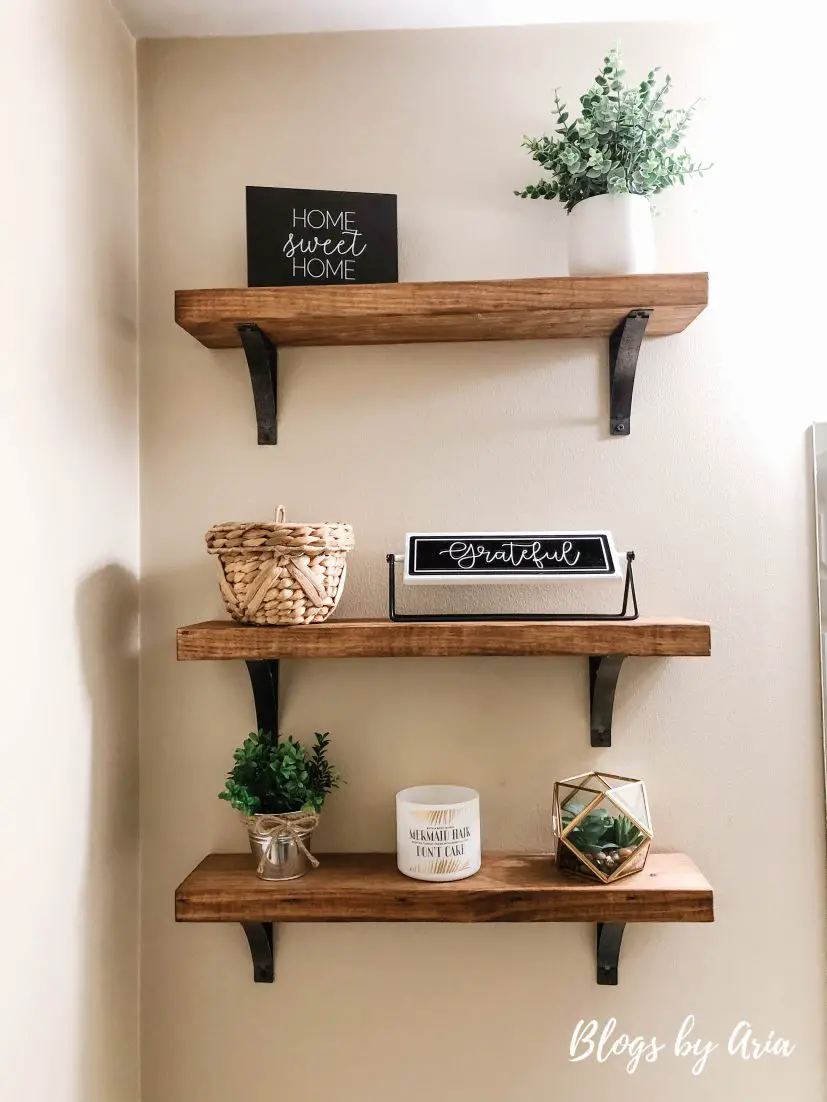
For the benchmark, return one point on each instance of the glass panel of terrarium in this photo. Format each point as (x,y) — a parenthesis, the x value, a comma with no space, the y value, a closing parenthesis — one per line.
(594,780)
(637,860)
(574,797)
(607,780)
(582,780)
(630,799)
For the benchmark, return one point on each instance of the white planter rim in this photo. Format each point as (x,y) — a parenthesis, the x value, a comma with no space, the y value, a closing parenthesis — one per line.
(613,195)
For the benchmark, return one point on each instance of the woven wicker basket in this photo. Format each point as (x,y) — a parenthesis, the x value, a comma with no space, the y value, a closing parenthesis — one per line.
(279,573)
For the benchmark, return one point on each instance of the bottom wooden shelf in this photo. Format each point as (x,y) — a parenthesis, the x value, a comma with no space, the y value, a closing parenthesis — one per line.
(510,887)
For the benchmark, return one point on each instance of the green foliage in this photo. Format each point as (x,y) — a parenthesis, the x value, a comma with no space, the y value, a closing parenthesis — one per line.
(271,777)
(600,831)
(624,141)
(625,833)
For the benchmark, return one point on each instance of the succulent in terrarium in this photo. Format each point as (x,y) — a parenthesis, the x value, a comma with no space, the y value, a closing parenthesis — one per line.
(602,825)
(608,838)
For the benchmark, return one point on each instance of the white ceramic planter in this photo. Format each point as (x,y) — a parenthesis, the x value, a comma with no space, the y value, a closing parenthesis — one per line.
(611,235)
(438,832)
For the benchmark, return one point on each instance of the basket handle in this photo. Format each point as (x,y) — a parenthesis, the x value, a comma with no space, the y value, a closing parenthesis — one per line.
(280,514)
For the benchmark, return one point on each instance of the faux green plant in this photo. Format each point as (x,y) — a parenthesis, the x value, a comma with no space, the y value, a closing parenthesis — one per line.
(624,141)
(273,776)
(599,831)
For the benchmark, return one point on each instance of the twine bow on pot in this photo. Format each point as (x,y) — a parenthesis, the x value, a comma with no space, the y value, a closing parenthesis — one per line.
(293,824)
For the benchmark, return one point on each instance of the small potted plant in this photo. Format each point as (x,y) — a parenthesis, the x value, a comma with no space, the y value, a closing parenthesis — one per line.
(604,165)
(280,788)
(602,826)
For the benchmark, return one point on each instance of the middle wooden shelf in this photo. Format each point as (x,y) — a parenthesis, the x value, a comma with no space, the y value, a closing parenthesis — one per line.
(605,643)
(225,639)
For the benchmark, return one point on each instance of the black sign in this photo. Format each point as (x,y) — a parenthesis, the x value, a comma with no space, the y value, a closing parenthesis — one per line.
(509,556)
(300,237)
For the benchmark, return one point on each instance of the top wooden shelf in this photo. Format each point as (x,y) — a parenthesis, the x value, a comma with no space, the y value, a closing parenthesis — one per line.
(418,313)
(224,639)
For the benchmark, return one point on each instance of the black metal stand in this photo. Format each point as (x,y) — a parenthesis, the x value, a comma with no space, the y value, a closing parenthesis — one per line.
(629,594)
(261,937)
(609,938)
(624,349)
(263,362)
(264,677)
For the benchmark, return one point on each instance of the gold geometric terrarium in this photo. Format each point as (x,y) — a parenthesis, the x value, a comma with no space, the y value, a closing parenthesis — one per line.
(602,826)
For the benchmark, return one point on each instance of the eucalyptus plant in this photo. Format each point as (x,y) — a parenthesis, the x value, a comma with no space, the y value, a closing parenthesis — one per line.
(625,141)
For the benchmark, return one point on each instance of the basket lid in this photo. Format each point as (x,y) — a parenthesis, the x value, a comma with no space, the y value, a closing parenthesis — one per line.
(297,537)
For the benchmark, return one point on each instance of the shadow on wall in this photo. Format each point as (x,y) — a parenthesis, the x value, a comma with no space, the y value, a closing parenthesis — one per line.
(106,615)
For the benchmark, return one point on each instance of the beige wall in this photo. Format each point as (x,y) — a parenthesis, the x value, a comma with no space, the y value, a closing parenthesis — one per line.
(69,555)
(711,490)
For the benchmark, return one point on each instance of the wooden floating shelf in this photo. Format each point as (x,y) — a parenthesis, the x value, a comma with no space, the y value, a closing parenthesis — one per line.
(225,639)
(414,313)
(510,887)
(606,643)
(623,309)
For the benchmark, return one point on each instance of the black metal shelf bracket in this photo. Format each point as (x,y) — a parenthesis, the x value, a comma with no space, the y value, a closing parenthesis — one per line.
(263,362)
(261,937)
(264,678)
(624,349)
(604,670)
(609,937)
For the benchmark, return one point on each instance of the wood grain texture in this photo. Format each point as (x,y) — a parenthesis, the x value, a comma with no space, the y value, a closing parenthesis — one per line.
(225,639)
(411,313)
(367,887)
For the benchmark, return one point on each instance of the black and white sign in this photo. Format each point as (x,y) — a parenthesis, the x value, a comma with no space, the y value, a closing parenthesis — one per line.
(300,237)
(440,558)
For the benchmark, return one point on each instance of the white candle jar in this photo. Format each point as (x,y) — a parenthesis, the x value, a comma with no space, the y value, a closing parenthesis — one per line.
(438,832)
